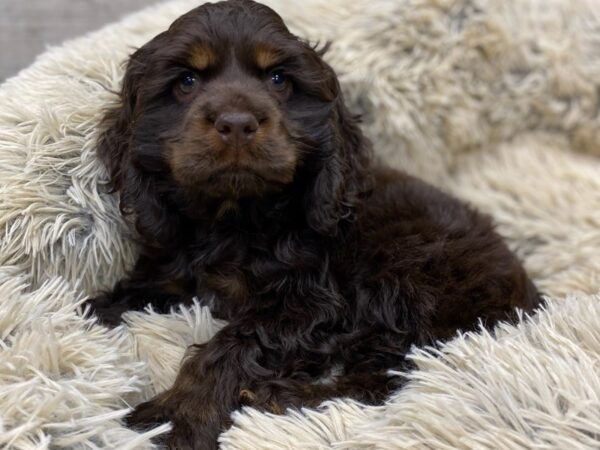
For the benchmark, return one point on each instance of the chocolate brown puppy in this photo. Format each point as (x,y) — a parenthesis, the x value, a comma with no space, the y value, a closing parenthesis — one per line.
(254,189)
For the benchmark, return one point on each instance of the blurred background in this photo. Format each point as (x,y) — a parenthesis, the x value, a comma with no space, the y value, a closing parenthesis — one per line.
(28,27)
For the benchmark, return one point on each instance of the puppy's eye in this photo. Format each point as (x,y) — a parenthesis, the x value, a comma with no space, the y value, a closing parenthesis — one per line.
(187,82)
(278,79)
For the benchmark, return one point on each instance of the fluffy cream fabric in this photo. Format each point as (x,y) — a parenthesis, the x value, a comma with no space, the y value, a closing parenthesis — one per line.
(496,101)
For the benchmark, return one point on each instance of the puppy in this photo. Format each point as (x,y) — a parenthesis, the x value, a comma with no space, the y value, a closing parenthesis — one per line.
(254,190)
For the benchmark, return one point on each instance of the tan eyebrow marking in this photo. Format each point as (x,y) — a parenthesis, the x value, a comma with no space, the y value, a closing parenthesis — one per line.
(201,58)
(265,56)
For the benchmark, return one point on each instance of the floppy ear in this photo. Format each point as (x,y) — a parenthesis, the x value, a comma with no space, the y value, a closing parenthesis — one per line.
(138,192)
(341,176)
(113,144)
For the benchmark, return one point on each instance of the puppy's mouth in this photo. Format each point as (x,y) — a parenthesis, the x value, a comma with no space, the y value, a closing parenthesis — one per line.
(241,181)
(234,170)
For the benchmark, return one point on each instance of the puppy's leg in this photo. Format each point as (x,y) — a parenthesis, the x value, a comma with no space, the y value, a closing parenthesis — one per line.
(206,390)
(277,395)
(131,296)
(162,283)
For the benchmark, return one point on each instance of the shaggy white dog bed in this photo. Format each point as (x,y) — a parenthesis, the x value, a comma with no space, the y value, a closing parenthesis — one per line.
(497,101)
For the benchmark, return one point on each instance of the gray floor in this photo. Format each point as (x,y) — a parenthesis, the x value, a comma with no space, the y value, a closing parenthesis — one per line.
(27,27)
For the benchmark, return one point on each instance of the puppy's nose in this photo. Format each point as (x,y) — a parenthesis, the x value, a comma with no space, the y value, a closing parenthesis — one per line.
(236,127)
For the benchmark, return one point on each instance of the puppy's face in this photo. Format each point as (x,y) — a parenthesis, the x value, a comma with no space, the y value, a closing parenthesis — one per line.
(227,102)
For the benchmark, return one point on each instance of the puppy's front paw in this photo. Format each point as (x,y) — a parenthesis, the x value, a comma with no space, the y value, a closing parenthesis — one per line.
(189,432)
(107,312)
(147,415)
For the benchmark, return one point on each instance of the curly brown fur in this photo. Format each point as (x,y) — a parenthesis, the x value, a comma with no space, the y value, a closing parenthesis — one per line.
(253,186)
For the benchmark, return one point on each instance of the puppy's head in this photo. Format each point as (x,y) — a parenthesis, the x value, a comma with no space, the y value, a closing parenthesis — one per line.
(228,104)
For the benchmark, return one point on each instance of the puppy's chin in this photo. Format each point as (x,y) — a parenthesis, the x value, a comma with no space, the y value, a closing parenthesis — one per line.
(235,183)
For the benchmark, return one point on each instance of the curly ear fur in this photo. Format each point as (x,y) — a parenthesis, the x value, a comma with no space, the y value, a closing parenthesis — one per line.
(113,144)
(341,173)
(138,190)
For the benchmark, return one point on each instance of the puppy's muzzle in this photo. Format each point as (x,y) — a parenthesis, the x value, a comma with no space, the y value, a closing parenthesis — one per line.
(236,128)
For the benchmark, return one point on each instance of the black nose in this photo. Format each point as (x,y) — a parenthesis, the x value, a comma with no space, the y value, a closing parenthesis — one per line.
(236,127)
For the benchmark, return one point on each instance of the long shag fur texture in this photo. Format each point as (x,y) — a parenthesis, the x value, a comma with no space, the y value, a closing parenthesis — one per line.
(495,101)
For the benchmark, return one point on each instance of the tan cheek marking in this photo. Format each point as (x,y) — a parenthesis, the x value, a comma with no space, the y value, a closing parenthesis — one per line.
(265,57)
(177,157)
(187,161)
(201,58)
